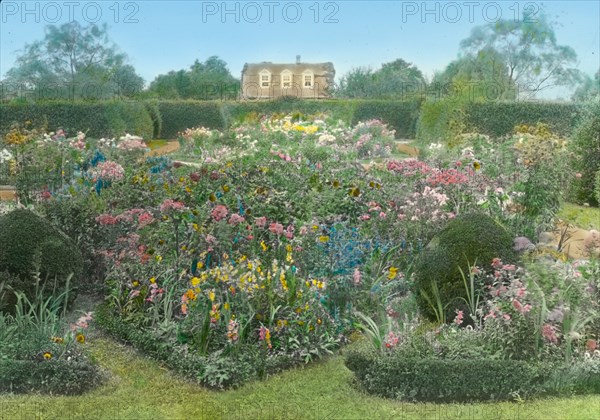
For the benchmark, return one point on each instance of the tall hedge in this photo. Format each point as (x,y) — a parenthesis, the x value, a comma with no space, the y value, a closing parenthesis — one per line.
(500,118)
(402,116)
(99,119)
(440,120)
(178,115)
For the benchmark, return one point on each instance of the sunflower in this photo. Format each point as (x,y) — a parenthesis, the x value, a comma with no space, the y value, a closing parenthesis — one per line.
(354,192)
(476,165)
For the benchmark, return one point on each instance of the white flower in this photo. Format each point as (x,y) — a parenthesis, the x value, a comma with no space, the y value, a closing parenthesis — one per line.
(5,156)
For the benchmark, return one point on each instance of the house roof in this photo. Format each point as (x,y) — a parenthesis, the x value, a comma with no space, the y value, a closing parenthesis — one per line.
(317,68)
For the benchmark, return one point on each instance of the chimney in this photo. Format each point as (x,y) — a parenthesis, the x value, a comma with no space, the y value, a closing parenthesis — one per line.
(297,59)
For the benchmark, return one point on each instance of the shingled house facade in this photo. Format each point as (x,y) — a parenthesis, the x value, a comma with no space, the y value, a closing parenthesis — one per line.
(268,80)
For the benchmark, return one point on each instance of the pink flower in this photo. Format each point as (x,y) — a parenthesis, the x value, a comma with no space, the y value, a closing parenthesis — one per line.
(169,204)
(497,263)
(549,333)
(578,175)
(382,215)
(289,232)
(219,212)
(144,219)
(109,171)
(517,305)
(364,217)
(506,317)
(356,277)
(276,228)
(458,320)
(211,240)
(391,340)
(591,345)
(106,219)
(303,230)
(236,219)
(260,222)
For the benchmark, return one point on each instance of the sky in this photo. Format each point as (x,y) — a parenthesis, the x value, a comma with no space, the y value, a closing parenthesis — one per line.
(160,36)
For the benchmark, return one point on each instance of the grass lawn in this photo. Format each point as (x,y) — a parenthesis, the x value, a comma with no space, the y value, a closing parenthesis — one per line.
(581,216)
(156,143)
(141,388)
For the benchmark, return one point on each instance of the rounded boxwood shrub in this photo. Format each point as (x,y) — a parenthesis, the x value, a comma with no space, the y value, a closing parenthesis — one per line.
(467,240)
(28,245)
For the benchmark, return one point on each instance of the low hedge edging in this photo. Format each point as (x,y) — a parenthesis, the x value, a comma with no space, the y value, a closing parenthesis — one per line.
(55,377)
(442,380)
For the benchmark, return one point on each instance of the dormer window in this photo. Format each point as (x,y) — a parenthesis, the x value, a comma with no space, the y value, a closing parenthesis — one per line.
(286,79)
(265,78)
(308,79)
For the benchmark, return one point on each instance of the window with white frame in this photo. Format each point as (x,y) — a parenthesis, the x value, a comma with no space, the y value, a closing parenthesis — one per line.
(265,78)
(286,79)
(308,79)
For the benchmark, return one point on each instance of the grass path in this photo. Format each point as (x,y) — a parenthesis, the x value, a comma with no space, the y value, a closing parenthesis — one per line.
(140,388)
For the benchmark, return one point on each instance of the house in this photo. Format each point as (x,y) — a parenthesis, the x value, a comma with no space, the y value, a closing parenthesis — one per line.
(268,80)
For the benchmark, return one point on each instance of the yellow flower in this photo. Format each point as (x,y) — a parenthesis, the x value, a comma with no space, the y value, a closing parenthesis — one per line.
(211,296)
(152,280)
(195,281)
(476,165)
(323,238)
(319,321)
(58,340)
(47,355)
(188,190)
(288,248)
(191,295)
(335,183)
(158,258)
(199,265)
(226,306)
(225,188)
(393,272)
(135,283)
(80,338)
(263,245)
(315,227)
(212,198)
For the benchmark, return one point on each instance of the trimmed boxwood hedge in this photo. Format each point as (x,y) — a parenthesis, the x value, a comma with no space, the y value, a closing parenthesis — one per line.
(439,120)
(99,119)
(401,116)
(178,115)
(441,380)
(500,118)
(57,377)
